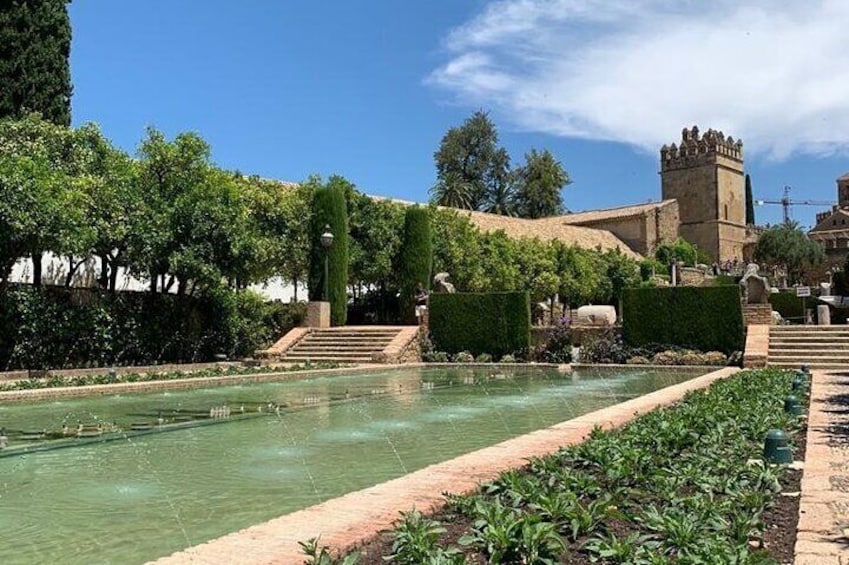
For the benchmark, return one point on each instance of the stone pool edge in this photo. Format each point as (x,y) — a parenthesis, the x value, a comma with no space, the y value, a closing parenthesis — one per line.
(346,522)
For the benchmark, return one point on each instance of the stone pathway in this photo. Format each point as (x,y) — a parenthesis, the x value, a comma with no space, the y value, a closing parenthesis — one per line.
(823,532)
(346,521)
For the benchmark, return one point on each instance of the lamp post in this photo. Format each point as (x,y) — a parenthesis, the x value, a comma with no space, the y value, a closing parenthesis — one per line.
(326,242)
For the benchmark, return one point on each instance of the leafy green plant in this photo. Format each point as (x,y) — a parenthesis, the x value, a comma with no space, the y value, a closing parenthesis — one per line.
(320,555)
(416,542)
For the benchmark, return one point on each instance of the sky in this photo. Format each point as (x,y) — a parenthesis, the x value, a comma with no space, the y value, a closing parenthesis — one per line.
(289,88)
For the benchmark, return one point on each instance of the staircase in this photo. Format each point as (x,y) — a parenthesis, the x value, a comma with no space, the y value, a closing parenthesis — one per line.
(351,344)
(819,347)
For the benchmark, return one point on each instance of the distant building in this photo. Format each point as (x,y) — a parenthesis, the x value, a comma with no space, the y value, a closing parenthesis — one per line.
(832,229)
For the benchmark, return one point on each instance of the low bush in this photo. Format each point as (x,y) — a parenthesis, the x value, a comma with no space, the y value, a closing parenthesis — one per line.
(483,358)
(464,357)
(507,359)
(606,347)
(558,345)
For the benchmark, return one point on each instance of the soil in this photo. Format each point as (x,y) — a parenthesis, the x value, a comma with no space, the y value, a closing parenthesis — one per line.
(778,539)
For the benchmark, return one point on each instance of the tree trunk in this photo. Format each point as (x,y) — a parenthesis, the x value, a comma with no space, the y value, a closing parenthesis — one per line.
(113,271)
(153,277)
(36,269)
(72,269)
(295,285)
(103,280)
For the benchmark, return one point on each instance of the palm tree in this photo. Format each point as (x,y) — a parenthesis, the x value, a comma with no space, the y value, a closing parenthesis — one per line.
(453,192)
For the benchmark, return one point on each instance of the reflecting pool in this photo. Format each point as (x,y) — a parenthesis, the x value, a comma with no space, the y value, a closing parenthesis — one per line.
(128,478)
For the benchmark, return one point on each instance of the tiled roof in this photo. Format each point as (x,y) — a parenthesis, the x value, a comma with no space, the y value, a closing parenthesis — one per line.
(548,229)
(611,213)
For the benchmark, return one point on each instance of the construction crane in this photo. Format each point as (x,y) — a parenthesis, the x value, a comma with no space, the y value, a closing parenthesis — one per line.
(786,202)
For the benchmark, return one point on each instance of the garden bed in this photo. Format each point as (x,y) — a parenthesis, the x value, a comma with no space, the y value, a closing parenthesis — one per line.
(677,485)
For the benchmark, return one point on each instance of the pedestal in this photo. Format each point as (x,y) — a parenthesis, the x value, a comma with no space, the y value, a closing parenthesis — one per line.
(823,315)
(318,315)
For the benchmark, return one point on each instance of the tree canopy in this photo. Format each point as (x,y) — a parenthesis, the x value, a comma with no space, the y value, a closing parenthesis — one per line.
(786,245)
(473,172)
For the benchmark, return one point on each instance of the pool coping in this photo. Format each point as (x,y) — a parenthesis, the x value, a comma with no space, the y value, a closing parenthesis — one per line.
(346,522)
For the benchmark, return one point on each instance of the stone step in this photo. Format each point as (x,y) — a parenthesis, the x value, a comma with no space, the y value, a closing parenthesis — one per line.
(807,359)
(819,329)
(337,358)
(352,348)
(317,354)
(808,352)
(818,366)
(344,341)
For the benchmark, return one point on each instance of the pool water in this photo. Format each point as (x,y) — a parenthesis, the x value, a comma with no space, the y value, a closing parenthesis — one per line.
(283,447)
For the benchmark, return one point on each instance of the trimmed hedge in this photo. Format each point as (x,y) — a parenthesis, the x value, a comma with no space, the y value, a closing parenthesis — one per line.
(497,323)
(702,318)
(415,259)
(56,328)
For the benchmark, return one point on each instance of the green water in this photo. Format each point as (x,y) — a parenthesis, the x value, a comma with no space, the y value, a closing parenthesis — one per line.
(138,498)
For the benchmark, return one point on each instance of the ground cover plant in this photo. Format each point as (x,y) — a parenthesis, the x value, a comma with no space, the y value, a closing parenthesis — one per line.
(677,485)
(111,377)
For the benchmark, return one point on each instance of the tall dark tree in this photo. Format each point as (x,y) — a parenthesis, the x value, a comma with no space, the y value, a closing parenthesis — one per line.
(469,163)
(538,185)
(330,209)
(415,259)
(750,203)
(35,42)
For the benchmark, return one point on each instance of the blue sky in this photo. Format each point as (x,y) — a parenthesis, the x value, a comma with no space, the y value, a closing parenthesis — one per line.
(285,88)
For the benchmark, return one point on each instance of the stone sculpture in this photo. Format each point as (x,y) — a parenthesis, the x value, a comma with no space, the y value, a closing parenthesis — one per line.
(755,287)
(441,284)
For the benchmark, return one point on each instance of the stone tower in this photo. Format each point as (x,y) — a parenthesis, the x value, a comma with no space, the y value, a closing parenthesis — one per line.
(705,175)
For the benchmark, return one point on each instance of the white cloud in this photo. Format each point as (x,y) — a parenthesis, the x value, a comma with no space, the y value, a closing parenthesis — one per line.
(774,72)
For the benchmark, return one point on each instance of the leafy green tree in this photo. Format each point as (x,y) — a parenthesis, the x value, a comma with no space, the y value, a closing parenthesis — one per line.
(786,245)
(750,203)
(469,164)
(375,229)
(167,170)
(35,42)
(415,259)
(681,250)
(539,182)
(457,249)
(329,209)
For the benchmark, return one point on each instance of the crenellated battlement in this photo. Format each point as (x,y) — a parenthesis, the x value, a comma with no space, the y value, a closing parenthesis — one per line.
(696,150)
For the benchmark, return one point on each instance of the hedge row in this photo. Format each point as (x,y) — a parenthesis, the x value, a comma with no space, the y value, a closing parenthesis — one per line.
(701,318)
(54,328)
(498,323)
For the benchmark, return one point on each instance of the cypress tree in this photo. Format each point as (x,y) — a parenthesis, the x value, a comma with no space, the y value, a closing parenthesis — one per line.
(329,209)
(750,203)
(35,43)
(415,258)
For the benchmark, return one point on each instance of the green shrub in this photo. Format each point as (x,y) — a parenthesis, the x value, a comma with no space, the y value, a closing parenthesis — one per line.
(507,359)
(607,347)
(497,322)
(414,259)
(701,318)
(483,358)
(464,357)
(53,328)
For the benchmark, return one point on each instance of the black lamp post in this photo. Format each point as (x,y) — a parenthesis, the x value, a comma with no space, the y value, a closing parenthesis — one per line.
(326,242)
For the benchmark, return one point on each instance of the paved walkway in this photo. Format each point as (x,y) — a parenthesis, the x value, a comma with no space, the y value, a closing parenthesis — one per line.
(346,521)
(823,537)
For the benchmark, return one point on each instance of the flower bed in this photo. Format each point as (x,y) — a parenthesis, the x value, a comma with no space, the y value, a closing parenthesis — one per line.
(677,485)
